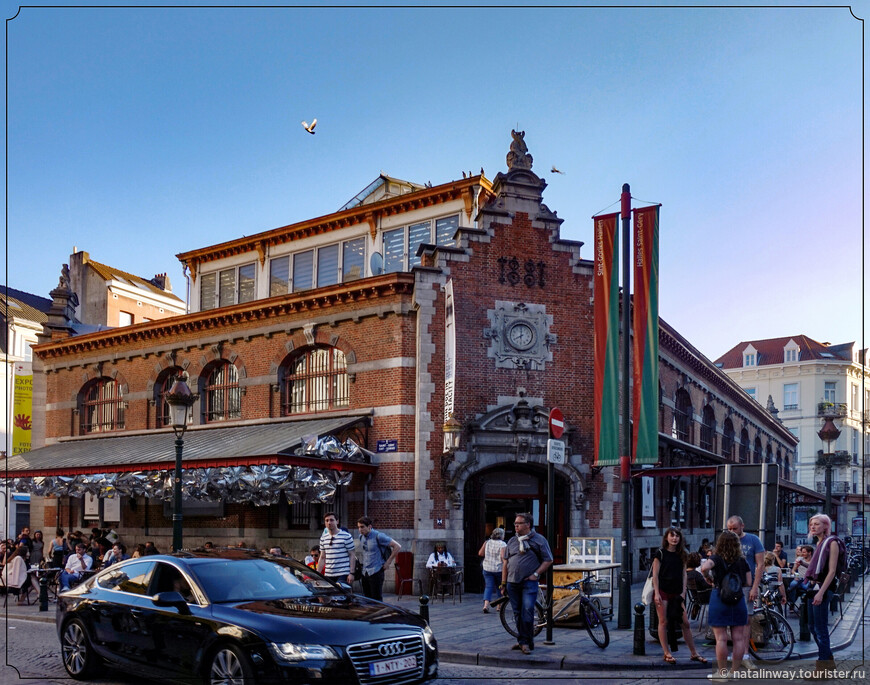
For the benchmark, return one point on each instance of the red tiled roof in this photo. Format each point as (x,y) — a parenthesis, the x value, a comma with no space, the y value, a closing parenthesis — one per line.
(771,351)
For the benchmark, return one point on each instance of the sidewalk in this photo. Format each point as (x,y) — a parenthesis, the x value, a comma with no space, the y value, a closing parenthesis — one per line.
(468,636)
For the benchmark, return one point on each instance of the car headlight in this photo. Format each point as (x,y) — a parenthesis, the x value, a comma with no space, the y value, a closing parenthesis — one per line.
(289,651)
(429,637)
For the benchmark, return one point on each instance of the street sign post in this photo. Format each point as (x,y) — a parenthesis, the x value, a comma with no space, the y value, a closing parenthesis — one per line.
(556,423)
(555,452)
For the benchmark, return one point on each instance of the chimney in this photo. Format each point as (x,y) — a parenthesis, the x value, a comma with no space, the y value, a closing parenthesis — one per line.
(162,282)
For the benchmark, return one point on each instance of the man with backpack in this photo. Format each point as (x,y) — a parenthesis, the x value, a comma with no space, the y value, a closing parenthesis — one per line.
(379,552)
(829,560)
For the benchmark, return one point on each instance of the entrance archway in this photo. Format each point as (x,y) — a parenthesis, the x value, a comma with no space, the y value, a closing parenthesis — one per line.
(492,497)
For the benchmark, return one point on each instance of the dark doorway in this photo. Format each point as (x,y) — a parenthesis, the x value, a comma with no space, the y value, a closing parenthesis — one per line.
(494,497)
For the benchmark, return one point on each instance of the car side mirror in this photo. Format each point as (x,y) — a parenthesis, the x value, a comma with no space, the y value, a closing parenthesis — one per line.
(171,599)
(345,587)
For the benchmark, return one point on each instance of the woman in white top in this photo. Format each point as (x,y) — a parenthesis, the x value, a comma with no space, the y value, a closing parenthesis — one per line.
(771,568)
(491,551)
(440,557)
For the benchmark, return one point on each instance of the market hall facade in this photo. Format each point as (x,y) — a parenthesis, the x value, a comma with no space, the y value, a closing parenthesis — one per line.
(412,306)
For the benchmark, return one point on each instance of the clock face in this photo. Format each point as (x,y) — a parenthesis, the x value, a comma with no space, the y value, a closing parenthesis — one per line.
(521,336)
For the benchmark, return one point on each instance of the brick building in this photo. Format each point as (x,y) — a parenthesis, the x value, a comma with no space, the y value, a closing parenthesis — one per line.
(378,322)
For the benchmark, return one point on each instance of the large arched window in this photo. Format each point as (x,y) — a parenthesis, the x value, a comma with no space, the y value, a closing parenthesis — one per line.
(708,429)
(683,415)
(163,384)
(757,454)
(314,379)
(728,439)
(221,393)
(744,447)
(101,406)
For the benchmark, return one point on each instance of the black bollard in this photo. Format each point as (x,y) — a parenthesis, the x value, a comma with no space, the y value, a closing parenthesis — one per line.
(43,592)
(804,621)
(424,607)
(639,639)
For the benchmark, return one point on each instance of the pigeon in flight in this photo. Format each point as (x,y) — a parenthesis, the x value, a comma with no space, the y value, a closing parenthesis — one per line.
(554,170)
(309,127)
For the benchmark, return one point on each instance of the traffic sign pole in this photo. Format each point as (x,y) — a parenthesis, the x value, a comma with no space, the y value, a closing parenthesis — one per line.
(556,425)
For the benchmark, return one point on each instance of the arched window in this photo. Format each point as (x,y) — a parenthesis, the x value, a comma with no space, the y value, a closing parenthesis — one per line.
(756,453)
(314,379)
(708,429)
(101,406)
(744,447)
(728,439)
(163,384)
(786,468)
(683,416)
(768,455)
(221,393)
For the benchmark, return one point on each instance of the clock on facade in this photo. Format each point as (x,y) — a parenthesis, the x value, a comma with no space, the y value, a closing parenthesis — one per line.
(521,335)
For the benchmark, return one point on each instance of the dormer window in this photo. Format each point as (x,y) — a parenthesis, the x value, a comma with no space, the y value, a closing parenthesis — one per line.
(750,356)
(791,352)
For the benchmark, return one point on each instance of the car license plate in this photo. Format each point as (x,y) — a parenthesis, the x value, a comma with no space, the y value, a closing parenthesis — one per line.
(404,663)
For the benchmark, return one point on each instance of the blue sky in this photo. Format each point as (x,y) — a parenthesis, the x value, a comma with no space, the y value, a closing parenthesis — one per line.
(136,134)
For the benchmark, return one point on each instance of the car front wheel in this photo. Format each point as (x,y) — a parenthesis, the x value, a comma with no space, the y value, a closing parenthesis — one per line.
(229,666)
(79,658)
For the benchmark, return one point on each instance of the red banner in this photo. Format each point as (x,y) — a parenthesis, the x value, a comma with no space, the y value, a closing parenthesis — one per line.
(606,337)
(645,342)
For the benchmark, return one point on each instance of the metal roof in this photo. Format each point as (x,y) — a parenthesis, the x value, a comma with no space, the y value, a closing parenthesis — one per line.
(230,445)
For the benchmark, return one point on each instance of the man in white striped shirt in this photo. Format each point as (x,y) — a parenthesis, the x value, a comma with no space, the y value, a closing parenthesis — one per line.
(336,552)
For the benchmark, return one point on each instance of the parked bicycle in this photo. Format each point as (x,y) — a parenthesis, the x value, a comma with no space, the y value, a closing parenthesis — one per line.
(770,636)
(589,611)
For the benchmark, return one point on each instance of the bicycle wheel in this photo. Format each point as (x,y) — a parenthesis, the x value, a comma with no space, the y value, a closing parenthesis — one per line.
(509,620)
(771,637)
(595,625)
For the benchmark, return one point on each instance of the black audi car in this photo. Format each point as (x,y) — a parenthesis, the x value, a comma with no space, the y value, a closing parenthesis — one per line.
(234,616)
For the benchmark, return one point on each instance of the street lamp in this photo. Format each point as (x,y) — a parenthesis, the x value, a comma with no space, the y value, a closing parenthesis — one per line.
(452,430)
(829,434)
(180,400)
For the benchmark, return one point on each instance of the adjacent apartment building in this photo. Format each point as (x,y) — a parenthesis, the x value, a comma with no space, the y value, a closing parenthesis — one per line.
(808,381)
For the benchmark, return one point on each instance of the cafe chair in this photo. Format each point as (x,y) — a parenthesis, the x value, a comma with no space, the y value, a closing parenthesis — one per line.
(15,580)
(840,594)
(698,602)
(405,575)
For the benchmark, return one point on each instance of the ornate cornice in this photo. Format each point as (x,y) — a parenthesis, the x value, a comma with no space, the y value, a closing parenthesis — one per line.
(376,287)
(364,214)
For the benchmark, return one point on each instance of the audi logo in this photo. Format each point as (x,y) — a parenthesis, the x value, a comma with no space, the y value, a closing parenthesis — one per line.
(391,649)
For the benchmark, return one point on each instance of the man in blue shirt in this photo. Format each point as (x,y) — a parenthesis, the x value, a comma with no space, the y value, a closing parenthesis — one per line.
(375,546)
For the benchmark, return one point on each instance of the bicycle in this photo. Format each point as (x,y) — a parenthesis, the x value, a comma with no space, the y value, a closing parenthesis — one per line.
(589,611)
(771,638)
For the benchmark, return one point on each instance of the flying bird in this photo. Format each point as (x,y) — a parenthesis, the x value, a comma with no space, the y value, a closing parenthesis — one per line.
(309,127)
(554,170)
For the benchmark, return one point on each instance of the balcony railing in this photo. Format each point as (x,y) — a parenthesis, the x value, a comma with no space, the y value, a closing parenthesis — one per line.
(835,410)
(838,487)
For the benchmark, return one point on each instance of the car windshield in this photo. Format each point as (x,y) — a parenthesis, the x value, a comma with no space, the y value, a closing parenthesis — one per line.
(243,580)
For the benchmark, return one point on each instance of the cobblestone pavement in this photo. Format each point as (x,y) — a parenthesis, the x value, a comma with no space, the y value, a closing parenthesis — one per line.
(474,648)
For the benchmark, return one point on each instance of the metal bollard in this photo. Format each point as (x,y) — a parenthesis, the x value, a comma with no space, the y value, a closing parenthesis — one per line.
(424,607)
(804,635)
(43,592)
(639,639)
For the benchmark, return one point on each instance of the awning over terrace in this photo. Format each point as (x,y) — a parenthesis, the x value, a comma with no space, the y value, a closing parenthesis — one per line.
(246,463)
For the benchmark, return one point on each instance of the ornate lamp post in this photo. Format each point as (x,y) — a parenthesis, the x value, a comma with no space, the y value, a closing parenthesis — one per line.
(452,430)
(829,434)
(180,400)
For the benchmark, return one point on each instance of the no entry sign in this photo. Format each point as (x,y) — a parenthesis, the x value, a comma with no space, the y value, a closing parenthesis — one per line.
(556,422)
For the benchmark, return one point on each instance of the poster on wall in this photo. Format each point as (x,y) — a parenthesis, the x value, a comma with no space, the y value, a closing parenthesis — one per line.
(112,509)
(590,550)
(647,503)
(92,506)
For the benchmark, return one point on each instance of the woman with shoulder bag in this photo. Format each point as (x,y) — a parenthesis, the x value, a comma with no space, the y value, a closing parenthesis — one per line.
(491,551)
(669,583)
(727,558)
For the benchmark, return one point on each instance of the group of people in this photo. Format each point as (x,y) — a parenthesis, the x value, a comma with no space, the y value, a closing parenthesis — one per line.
(739,558)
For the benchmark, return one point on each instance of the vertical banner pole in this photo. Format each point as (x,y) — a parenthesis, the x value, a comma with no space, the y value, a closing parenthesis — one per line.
(624,618)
